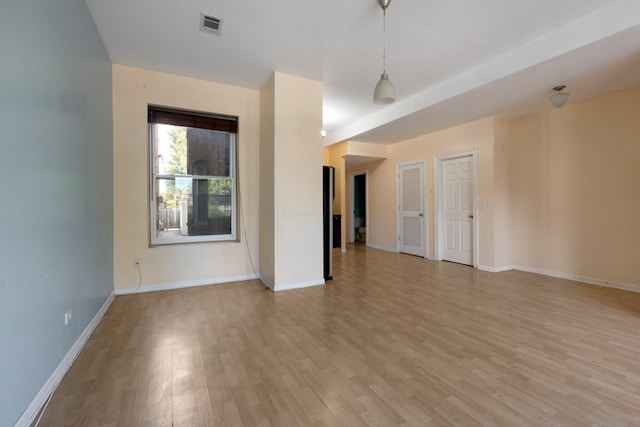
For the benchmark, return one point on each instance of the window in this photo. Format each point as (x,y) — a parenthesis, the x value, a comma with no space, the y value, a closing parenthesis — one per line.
(193,176)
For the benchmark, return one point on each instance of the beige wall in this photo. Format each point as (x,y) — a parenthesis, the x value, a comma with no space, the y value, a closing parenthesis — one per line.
(559,187)
(501,202)
(326,156)
(337,161)
(340,202)
(133,90)
(366,149)
(573,191)
(381,221)
(267,138)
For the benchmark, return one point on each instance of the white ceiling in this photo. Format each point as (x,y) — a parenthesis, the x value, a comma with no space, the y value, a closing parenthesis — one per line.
(451,61)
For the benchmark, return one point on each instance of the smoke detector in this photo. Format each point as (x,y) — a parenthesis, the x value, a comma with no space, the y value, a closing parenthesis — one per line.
(210,24)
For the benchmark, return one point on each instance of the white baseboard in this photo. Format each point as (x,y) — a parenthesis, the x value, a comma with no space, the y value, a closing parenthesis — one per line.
(185,284)
(266,281)
(298,285)
(491,269)
(561,275)
(29,415)
(577,278)
(382,248)
(290,286)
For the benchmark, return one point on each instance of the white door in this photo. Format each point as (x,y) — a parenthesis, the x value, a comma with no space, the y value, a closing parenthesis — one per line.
(411,208)
(457,203)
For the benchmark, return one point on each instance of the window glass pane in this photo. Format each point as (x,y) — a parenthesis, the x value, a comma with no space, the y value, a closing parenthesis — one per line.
(193,207)
(171,149)
(192,151)
(208,152)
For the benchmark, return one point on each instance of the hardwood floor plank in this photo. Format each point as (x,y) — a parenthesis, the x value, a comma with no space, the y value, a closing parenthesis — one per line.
(393,340)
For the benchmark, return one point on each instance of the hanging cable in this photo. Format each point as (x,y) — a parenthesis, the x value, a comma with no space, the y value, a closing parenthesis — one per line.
(244,231)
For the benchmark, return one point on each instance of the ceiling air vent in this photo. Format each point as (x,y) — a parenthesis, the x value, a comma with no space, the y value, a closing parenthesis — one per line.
(210,24)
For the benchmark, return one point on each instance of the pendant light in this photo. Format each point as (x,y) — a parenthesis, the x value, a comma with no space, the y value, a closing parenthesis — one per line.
(384,92)
(559,98)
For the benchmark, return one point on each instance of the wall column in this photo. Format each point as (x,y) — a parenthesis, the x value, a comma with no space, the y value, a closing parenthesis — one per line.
(291,182)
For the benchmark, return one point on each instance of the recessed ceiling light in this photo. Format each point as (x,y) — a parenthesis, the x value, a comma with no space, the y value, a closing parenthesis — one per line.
(559,98)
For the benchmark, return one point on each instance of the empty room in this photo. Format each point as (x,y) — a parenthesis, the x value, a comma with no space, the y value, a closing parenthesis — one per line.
(375,212)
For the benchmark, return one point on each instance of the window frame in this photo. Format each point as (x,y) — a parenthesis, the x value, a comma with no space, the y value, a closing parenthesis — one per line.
(201,120)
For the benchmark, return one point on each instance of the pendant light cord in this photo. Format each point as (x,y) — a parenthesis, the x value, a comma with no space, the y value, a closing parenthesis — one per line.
(384,41)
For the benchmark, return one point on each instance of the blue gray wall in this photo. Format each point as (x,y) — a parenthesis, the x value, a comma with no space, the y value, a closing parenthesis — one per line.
(56,201)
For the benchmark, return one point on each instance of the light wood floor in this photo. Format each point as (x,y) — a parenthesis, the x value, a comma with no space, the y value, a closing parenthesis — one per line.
(393,340)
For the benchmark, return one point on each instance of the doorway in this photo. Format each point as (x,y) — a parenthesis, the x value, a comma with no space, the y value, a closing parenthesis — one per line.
(456,222)
(358,200)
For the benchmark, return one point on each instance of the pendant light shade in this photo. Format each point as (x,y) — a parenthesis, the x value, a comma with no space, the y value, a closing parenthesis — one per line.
(384,92)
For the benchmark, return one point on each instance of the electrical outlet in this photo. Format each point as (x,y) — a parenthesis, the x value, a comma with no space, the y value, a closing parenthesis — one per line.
(136,263)
(67,317)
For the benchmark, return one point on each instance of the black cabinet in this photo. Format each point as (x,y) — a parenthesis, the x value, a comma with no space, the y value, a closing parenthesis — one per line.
(337,231)
(327,221)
